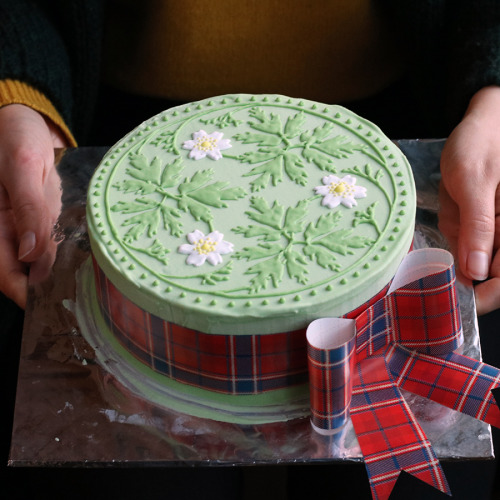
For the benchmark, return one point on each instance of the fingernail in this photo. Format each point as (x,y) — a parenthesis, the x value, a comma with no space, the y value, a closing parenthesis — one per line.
(478,265)
(27,244)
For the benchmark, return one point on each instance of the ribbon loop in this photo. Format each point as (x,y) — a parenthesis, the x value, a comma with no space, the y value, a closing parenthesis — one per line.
(405,339)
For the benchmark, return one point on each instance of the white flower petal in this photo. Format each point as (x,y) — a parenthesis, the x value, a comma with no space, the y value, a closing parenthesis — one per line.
(349,179)
(196,259)
(323,190)
(224,144)
(224,247)
(195,236)
(214,258)
(188,144)
(329,179)
(200,134)
(215,236)
(349,202)
(185,248)
(214,154)
(359,192)
(197,154)
(216,135)
(331,201)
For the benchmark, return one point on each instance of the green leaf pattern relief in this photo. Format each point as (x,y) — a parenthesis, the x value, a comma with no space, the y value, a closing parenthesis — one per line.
(276,142)
(195,195)
(318,242)
(156,192)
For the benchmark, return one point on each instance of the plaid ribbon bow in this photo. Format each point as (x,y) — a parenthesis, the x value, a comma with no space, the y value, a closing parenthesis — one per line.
(405,340)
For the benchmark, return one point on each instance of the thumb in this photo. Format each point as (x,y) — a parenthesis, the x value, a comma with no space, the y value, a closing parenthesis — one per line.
(26,155)
(26,194)
(476,203)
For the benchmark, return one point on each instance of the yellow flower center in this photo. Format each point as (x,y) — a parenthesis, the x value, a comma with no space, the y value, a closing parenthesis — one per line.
(338,188)
(206,143)
(205,246)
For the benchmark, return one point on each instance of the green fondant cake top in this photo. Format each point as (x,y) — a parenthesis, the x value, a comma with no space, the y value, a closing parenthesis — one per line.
(251,214)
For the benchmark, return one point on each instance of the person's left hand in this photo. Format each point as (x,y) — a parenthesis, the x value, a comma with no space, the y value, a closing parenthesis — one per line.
(470,196)
(30,198)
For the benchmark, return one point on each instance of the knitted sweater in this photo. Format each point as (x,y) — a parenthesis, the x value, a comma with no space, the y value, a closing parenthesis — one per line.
(50,54)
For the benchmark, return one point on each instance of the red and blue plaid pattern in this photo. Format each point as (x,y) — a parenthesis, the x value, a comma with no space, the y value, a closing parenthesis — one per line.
(330,372)
(228,364)
(406,340)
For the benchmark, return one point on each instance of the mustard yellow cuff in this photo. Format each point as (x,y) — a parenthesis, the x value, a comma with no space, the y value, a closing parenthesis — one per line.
(16,92)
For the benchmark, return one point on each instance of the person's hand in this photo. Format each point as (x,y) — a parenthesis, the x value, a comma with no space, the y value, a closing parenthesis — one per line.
(470,196)
(30,197)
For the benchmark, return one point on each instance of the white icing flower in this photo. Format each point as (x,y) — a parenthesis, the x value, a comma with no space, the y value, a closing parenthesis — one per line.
(336,191)
(204,144)
(203,248)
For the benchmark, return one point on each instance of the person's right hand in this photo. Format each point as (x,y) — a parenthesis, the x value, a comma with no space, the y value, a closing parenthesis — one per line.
(470,196)
(30,198)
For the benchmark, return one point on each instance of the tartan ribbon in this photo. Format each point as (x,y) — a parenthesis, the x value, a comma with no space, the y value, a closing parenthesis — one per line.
(406,340)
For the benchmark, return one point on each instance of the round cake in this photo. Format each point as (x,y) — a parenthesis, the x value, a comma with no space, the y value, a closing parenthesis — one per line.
(220,229)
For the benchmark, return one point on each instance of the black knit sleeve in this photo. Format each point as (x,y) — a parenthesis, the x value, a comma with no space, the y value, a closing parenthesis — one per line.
(473,51)
(54,45)
(452,48)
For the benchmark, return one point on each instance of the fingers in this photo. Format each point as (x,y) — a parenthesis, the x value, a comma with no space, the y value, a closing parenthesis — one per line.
(30,198)
(26,157)
(487,296)
(487,293)
(467,219)
(13,273)
(477,229)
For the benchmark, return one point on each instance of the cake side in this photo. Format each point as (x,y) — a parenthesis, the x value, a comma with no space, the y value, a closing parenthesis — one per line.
(251,214)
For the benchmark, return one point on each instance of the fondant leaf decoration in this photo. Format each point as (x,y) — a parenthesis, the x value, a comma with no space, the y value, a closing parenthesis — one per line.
(296,266)
(366,217)
(170,174)
(295,168)
(367,173)
(322,132)
(271,171)
(260,251)
(222,121)
(270,216)
(261,139)
(145,221)
(149,172)
(267,123)
(340,241)
(339,147)
(169,216)
(320,160)
(211,194)
(156,250)
(233,193)
(294,124)
(275,153)
(253,157)
(267,233)
(197,180)
(294,217)
(167,142)
(324,225)
(135,186)
(267,270)
(323,257)
(131,207)
(221,274)
(262,182)
(196,209)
